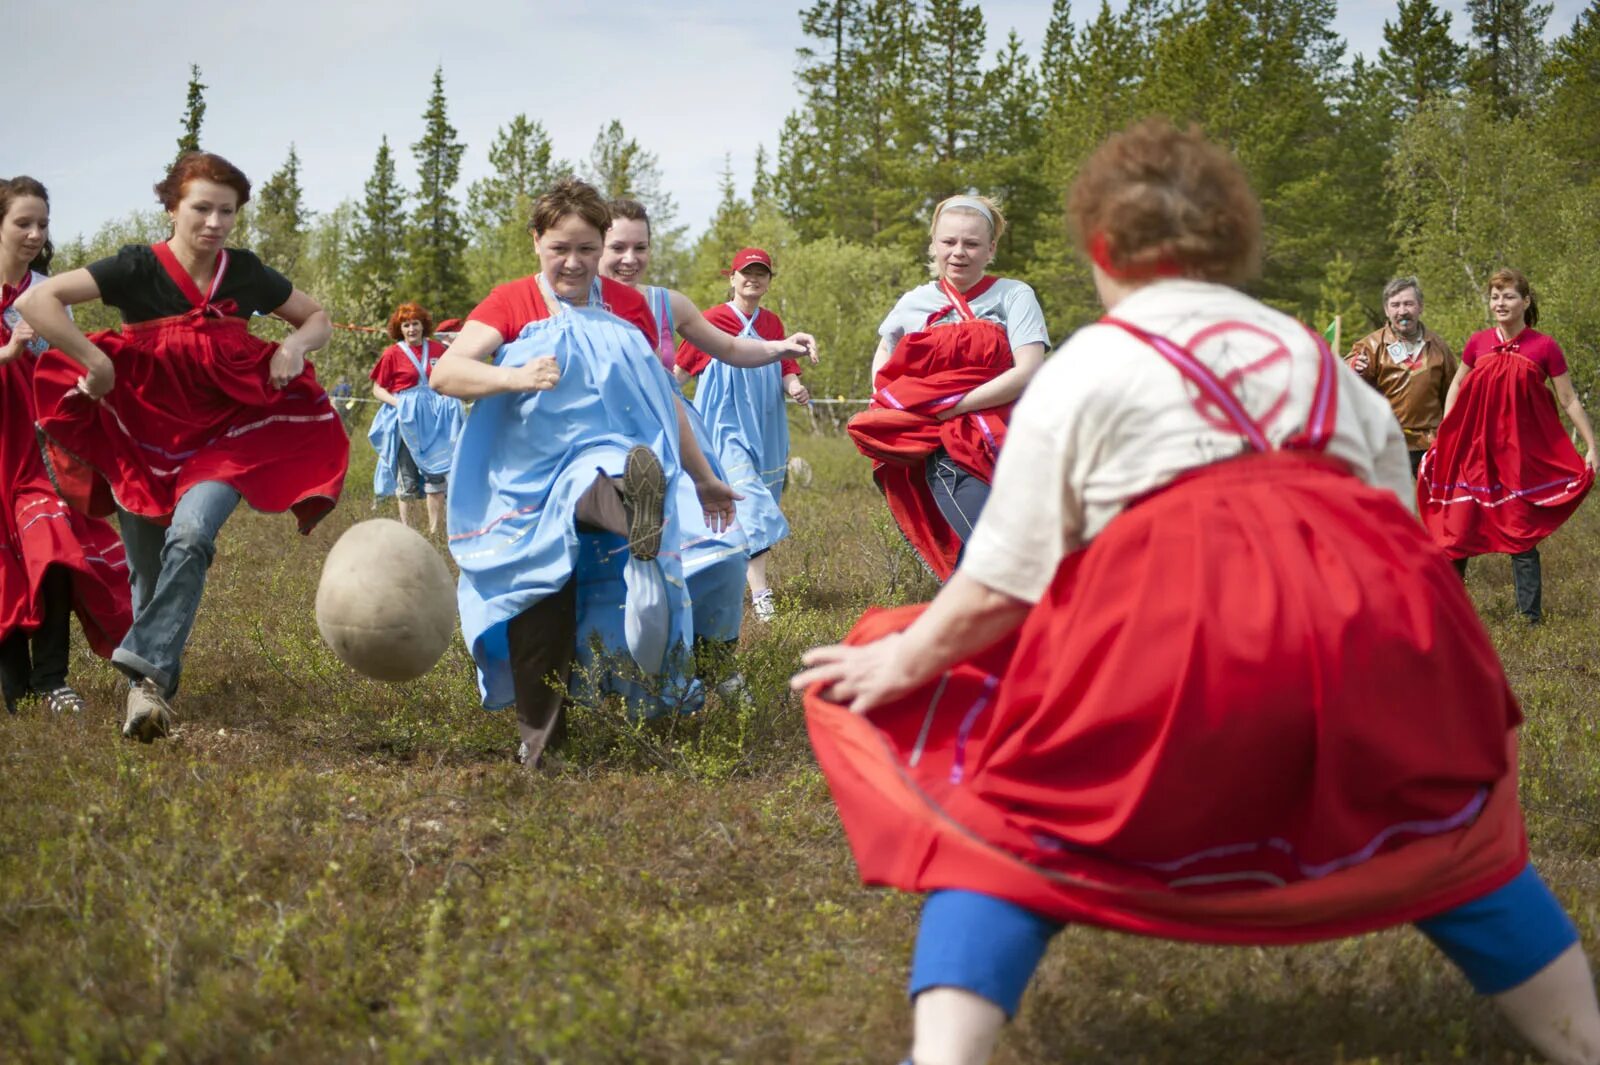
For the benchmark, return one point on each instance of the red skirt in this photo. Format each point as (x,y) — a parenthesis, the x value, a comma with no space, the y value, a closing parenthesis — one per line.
(1503,475)
(193,402)
(38,531)
(1259,708)
(930,372)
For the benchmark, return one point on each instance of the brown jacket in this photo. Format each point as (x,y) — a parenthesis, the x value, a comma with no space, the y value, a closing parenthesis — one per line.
(1415,389)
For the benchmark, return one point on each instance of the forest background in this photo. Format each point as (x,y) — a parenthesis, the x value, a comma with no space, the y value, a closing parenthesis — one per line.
(1455,150)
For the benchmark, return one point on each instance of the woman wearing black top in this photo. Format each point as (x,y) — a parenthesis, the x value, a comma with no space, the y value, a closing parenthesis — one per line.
(181,414)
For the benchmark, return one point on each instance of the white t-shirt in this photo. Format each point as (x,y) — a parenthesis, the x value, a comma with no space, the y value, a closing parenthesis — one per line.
(1007,302)
(1107,420)
(38,345)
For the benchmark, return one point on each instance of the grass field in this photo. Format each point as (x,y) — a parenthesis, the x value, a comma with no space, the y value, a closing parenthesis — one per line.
(321,868)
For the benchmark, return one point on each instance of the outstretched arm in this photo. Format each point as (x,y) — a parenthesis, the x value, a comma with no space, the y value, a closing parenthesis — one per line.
(743,352)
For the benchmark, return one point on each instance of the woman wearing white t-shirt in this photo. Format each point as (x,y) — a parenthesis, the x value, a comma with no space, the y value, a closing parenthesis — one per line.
(1200,674)
(954,355)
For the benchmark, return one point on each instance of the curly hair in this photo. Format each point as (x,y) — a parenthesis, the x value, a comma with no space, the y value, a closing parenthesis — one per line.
(570,196)
(200,166)
(410,312)
(1156,200)
(15,189)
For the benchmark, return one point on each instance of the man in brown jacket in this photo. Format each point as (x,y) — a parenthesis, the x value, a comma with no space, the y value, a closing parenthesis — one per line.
(1409,364)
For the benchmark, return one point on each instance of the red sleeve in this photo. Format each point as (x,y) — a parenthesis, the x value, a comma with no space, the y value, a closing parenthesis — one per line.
(383,370)
(691,359)
(1553,358)
(509,307)
(791,367)
(1470,351)
(629,304)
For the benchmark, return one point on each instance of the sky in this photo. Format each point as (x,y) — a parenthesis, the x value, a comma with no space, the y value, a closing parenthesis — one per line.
(694,81)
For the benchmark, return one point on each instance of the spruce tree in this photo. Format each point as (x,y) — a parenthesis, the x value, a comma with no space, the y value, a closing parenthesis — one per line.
(1010,161)
(620,166)
(1571,122)
(521,167)
(194,113)
(435,275)
(1507,59)
(951,95)
(815,148)
(1420,60)
(377,244)
(281,218)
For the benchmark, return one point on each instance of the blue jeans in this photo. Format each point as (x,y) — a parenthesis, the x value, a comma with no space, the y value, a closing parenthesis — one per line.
(167,571)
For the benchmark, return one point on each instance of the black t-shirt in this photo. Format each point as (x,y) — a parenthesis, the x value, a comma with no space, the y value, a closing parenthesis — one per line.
(136,284)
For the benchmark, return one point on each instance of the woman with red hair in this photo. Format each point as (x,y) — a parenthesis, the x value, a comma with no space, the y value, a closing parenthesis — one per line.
(1502,474)
(175,418)
(953,357)
(52,559)
(1199,674)
(415,432)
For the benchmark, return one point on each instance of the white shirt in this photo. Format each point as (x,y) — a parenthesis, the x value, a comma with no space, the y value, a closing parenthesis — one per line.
(1007,302)
(1107,420)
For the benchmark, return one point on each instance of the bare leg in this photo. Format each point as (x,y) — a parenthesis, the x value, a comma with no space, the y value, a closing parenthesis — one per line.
(756,574)
(404,514)
(954,1027)
(435,513)
(1556,1011)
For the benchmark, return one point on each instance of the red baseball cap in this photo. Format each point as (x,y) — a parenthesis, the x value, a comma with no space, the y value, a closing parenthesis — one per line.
(745,256)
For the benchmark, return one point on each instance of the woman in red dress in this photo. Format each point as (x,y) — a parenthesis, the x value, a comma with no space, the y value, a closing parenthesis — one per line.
(52,560)
(1200,674)
(175,418)
(1502,474)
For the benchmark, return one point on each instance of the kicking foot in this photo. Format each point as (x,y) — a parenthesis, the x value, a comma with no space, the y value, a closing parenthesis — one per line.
(644,495)
(64,701)
(149,717)
(765,606)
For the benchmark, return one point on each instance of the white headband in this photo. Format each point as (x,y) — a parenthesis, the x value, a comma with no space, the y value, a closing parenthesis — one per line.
(971,203)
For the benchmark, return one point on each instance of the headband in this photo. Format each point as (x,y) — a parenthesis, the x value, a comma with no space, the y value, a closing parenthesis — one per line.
(971,203)
(1100,255)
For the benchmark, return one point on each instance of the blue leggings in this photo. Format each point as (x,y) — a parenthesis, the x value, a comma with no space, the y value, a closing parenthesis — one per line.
(991,947)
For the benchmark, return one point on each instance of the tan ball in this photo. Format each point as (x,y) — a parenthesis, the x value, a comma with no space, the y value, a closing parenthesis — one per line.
(386,604)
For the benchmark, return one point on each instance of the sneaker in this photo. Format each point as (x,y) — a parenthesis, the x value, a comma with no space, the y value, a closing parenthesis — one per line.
(64,700)
(644,495)
(149,716)
(765,606)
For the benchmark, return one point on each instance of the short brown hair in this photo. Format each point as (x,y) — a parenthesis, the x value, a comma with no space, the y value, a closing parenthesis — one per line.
(410,312)
(15,189)
(1164,200)
(570,196)
(632,210)
(200,166)
(1505,277)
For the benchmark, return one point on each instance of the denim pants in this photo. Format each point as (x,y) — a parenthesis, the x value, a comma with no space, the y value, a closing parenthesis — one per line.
(167,571)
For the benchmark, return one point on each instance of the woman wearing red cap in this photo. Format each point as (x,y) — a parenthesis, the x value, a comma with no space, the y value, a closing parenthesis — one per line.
(52,559)
(1502,474)
(743,410)
(416,431)
(954,354)
(180,415)
(1199,674)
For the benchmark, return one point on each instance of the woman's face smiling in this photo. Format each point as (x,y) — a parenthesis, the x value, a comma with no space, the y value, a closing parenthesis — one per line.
(569,257)
(24,229)
(752,282)
(626,257)
(1508,307)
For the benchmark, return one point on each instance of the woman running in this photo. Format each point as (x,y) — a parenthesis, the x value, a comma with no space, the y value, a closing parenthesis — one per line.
(1502,474)
(181,414)
(744,413)
(1199,675)
(52,559)
(954,354)
(713,563)
(567,529)
(415,432)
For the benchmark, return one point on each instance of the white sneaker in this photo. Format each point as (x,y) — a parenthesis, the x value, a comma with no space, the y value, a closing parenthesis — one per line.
(765,606)
(149,717)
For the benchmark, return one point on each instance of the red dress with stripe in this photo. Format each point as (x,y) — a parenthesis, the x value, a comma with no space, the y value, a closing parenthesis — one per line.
(193,401)
(929,372)
(1502,474)
(1257,708)
(38,530)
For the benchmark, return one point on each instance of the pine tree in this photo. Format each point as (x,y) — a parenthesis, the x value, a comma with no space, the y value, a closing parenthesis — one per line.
(1055,61)
(951,95)
(620,166)
(378,239)
(435,275)
(1507,59)
(1419,58)
(194,113)
(1010,163)
(814,148)
(521,167)
(281,218)
(763,189)
(1571,123)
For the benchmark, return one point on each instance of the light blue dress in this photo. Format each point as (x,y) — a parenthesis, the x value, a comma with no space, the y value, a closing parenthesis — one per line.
(422,421)
(522,462)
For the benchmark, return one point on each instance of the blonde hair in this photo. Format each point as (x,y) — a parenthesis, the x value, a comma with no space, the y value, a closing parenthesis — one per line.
(977,205)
